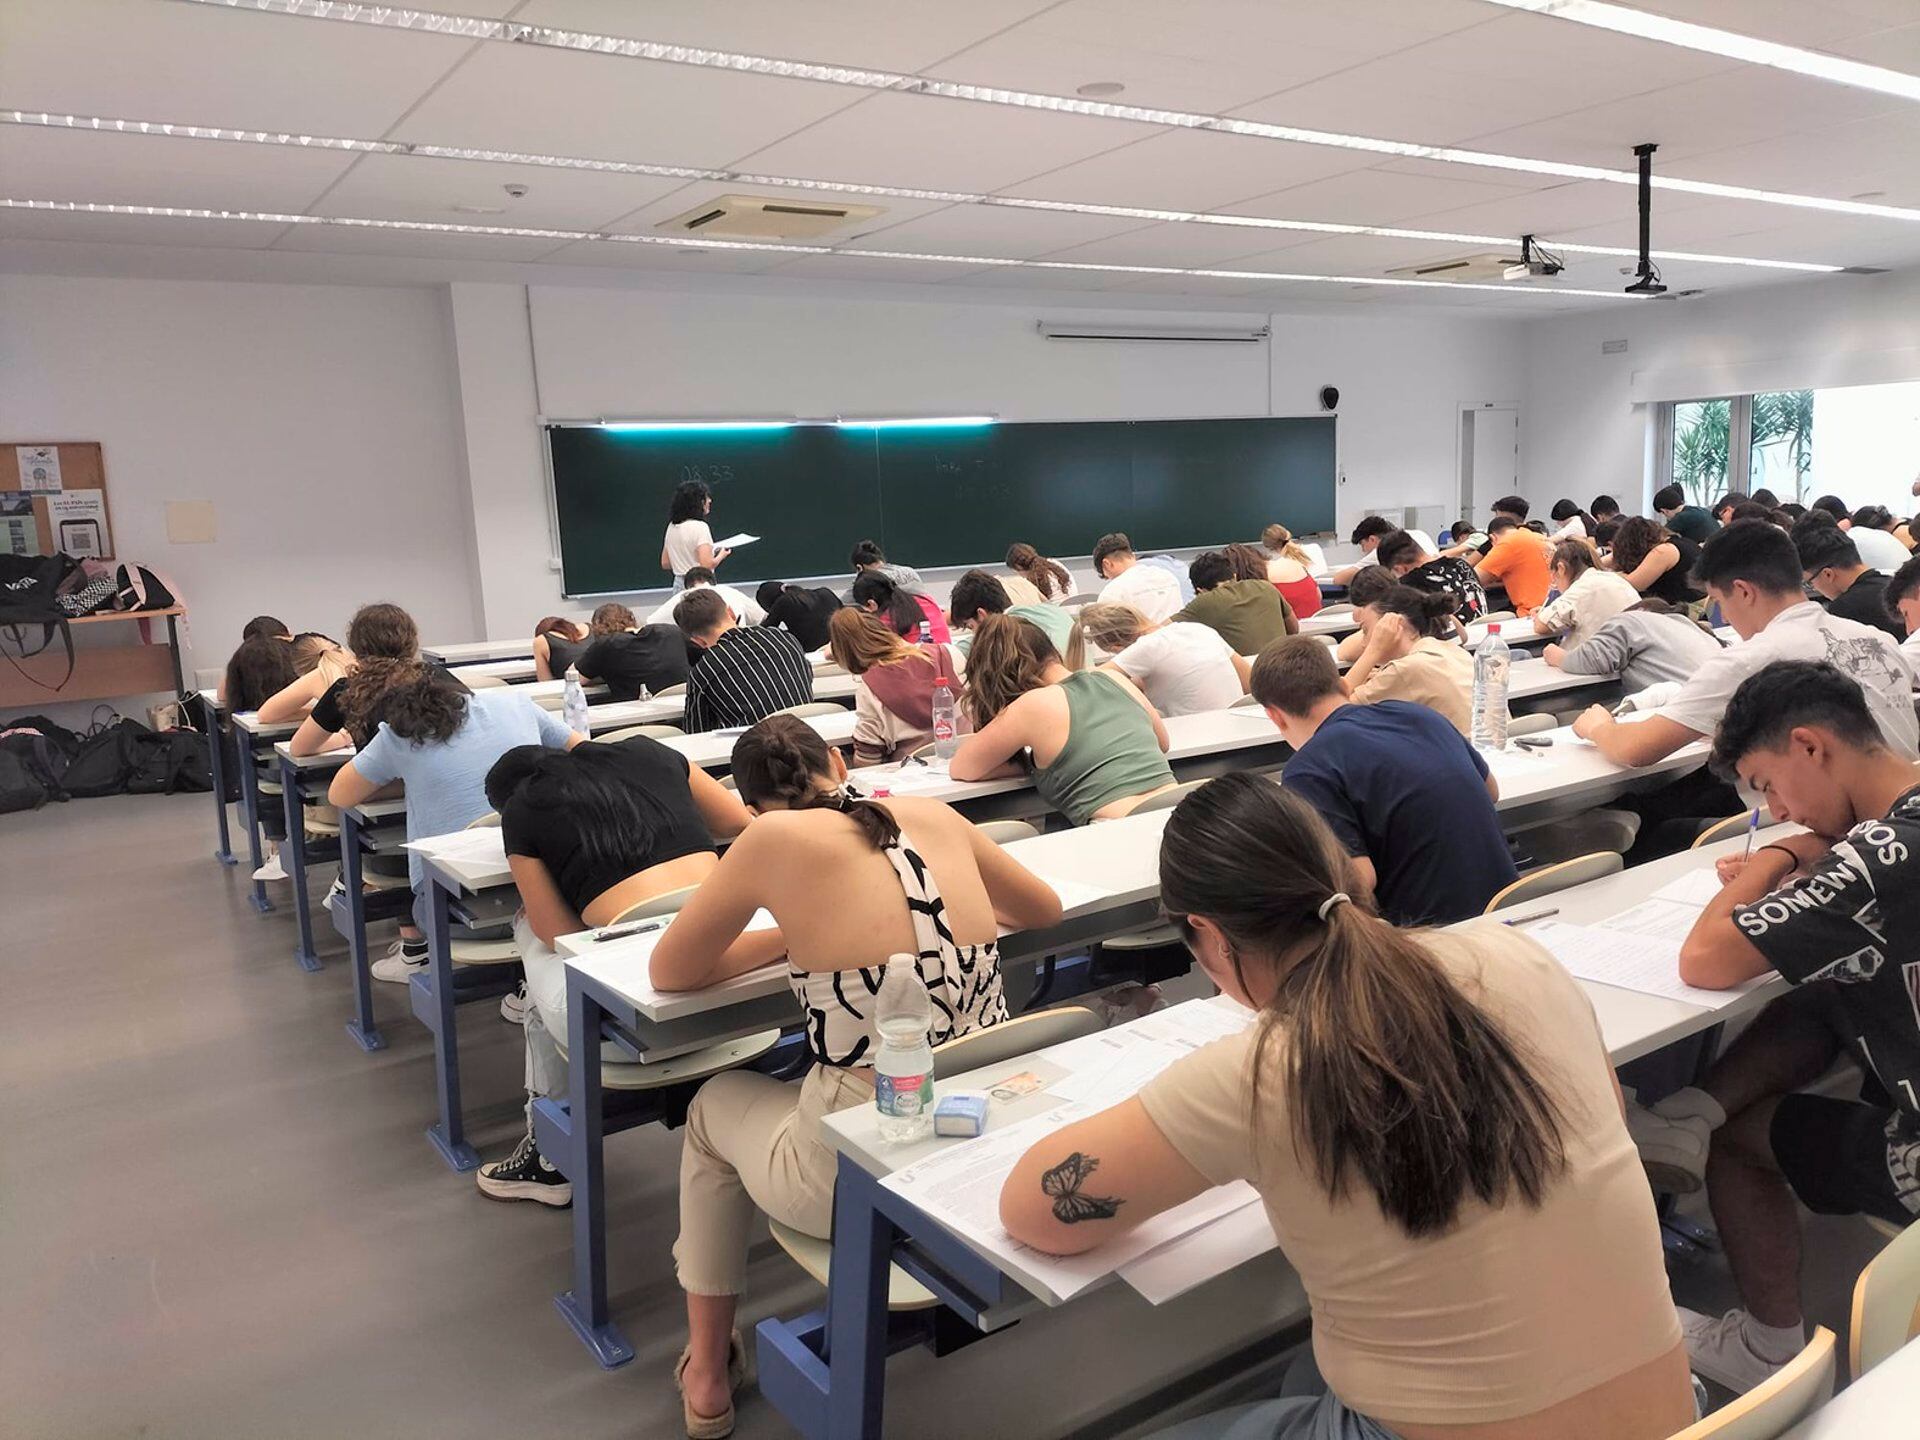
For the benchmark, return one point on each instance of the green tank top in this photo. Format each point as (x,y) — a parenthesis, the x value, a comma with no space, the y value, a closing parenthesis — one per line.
(1110,753)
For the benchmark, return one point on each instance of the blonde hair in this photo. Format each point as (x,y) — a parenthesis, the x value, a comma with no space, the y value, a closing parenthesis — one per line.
(1110,627)
(1009,657)
(858,641)
(1280,541)
(310,650)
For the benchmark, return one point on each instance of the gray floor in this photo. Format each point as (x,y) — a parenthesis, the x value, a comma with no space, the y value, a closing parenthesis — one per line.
(219,1218)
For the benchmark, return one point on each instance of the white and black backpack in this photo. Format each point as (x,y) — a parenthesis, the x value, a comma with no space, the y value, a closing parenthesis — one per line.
(141,589)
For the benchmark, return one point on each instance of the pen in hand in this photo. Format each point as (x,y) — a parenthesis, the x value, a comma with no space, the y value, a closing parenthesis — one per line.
(1753,827)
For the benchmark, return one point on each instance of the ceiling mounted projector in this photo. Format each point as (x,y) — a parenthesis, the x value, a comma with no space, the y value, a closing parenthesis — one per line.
(1534,263)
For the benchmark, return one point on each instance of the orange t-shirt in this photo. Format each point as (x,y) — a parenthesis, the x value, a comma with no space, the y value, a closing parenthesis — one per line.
(1518,560)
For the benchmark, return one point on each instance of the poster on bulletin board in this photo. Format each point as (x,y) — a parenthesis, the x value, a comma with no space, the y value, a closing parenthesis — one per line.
(57,500)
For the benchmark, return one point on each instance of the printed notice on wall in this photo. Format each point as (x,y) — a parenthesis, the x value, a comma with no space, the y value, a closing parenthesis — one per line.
(19,535)
(39,467)
(78,519)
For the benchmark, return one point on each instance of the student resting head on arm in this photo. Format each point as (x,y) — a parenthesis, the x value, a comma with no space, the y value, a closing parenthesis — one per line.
(1402,556)
(260,668)
(850,883)
(1052,579)
(1182,668)
(1363,594)
(557,644)
(893,686)
(347,711)
(1836,910)
(1658,562)
(1233,595)
(979,593)
(1414,654)
(802,612)
(1432,1124)
(878,593)
(628,657)
(1648,643)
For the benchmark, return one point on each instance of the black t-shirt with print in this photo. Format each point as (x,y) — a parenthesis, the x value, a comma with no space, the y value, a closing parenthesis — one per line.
(1452,576)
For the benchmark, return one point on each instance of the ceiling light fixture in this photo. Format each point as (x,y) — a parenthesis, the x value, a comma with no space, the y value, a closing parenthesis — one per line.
(477,28)
(896,192)
(528,232)
(1623,20)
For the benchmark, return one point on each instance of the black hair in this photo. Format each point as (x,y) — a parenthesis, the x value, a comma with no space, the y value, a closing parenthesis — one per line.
(784,759)
(1371,526)
(1753,510)
(1514,505)
(894,607)
(616,822)
(1793,508)
(1500,524)
(1603,506)
(1210,568)
(697,575)
(1778,698)
(1873,517)
(1605,530)
(1398,546)
(768,593)
(1728,501)
(1753,551)
(976,591)
(258,670)
(1669,497)
(1430,612)
(1767,498)
(1565,510)
(689,502)
(1834,506)
(1109,545)
(866,553)
(265,625)
(1823,547)
(1903,586)
(1369,583)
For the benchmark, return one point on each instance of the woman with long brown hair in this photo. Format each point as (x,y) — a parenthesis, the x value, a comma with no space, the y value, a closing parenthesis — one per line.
(1092,741)
(346,711)
(893,685)
(1050,578)
(1658,562)
(1432,1122)
(557,643)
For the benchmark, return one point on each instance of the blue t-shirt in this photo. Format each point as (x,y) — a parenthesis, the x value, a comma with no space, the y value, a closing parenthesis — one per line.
(447,779)
(1401,787)
(1174,568)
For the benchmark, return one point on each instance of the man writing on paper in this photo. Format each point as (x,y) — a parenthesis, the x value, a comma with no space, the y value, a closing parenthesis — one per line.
(1837,912)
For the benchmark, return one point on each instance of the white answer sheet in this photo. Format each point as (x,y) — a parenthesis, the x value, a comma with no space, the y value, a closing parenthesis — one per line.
(1629,960)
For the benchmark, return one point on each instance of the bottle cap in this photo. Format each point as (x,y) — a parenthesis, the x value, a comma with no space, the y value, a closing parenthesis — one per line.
(1494,628)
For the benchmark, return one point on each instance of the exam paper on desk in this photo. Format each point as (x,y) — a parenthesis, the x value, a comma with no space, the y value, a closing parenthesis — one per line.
(1628,960)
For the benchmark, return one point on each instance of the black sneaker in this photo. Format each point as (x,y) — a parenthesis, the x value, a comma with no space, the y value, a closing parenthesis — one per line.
(525,1175)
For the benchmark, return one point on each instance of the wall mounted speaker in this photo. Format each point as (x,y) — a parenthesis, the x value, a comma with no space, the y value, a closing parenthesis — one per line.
(1329,397)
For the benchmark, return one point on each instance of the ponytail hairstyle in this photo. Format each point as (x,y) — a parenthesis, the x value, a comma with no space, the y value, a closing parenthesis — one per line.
(1391,1078)
(1574,557)
(612,618)
(566,629)
(1249,562)
(1007,659)
(384,631)
(1369,585)
(858,641)
(419,702)
(1430,612)
(1280,541)
(1049,577)
(895,609)
(310,648)
(617,822)
(782,764)
(260,668)
(1111,627)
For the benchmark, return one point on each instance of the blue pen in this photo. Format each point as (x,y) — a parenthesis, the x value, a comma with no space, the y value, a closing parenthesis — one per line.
(1753,828)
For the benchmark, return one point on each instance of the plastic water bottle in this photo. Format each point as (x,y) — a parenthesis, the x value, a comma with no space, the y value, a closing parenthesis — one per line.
(946,734)
(575,702)
(903,1070)
(1492,663)
(645,694)
(926,632)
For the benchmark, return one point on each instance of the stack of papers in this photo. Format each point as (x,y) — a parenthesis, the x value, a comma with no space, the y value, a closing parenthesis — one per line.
(1639,949)
(483,846)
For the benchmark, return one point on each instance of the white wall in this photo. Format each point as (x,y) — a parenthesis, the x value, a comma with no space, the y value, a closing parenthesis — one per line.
(1584,430)
(320,421)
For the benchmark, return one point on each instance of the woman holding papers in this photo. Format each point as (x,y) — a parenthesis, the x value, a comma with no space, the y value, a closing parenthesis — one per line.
(689,541)
(1432,1122)
(850,883)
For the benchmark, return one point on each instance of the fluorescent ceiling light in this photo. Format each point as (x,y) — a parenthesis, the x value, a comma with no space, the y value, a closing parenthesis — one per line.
(477,28)
(788,182)
(528,232)
(916,422)
(1705,38)
(697,424)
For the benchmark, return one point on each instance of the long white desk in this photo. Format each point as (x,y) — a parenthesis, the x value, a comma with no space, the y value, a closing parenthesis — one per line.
(521,672)
(519,648)
(1881,1405)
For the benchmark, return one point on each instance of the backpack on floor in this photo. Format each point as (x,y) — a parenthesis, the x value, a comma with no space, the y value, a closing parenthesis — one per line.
(20,788)
(166,761)
(138,588)
(43,759)
(105,761)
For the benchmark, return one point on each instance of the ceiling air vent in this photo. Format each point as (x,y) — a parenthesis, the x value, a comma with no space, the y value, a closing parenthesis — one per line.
(754,217)
(1492,265)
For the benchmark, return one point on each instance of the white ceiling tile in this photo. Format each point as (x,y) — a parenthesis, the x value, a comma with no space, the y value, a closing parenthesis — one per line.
(699,193)
(614,256)
(1351,255)
(861,267)
(1189,170)
(994,230)
(922,141)
(1187,285)
(1550,211)
(1186,245)
(342,240)
(1879,153)
(524,98)
(106,168)
(1378,197)
(1010,277)
(136,229)
(404,187)
(1896,49)
(132,59)
(883,34)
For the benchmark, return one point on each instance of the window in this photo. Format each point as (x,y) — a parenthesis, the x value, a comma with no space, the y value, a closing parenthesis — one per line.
(1702,448)
(1781,456)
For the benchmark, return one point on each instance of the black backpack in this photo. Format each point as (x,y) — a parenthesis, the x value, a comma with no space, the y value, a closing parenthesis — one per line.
(43,759)
(141,589)
(29,596)
(166,761)
(20,787)
(105,761)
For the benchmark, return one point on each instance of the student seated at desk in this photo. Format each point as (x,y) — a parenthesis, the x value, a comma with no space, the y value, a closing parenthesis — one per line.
(1290,569)
(1401,556)
(1413,653)
(319,663)
(906,611)
(1051,581)
(1831,562)
(557,643)
(1903,604)
(1658,563)
(589,833)
(261,627)
(894,685)
(346,713)
(1182,668)
(1837,912)
(803,612)
(1692,521)
(867,558)
(1432,1124)
(628,659)
(978,594)
(746,673)
(850,883)
(1247,611)
(746,611)
(1649,643)
(1094,744)
(1588,598)
(1363,596)
(1871,529)
(1570,521)
(260,668)
(1517,560)
(1153,590)
(1368,534)
(440,739)
(1409,798)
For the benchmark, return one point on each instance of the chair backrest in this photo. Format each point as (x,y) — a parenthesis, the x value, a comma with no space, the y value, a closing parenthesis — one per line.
(671,691)
(652,732)
(1886,1303)
(1551,879)
(490,820)
(1343,610)
(483,682)
(812,708)
(1499,617)
(1074,602)
(665,903)
(1770,1409)
(1245,702)
(1530,724)
(1167,799)
(1730,828)
(1002,831)
(1021,1035)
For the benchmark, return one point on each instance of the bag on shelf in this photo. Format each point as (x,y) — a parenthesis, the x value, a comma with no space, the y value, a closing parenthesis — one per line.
(92,587)
(30,587)
(138,588)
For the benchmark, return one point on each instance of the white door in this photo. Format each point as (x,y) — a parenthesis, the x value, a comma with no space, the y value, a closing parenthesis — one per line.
(1489,456)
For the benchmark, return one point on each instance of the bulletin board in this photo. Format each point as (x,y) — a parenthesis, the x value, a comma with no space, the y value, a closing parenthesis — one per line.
(53,496)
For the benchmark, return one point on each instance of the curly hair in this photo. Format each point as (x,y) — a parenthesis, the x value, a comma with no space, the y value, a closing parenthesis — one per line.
(611,618)
(384,631)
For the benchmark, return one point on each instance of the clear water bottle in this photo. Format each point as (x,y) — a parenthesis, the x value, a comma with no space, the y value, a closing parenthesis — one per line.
(903,1070)
(645,694)
(1492,664)
(946,730)
(926,632)
(574,705)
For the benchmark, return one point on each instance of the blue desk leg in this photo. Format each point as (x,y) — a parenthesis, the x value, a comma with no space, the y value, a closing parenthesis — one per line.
(857,1308)
(366,1034)
(250,804)
(448,1134)
(584,1307)
(217,767)
(294,856)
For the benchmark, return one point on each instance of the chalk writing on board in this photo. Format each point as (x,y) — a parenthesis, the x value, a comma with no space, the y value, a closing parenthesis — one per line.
(707,474)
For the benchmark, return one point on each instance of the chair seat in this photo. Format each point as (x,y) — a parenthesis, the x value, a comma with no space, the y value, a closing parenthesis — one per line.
(373,880)
(816,1258)
(694,1065)
(328,826)
(485,952)
(1152,939)
(269,787)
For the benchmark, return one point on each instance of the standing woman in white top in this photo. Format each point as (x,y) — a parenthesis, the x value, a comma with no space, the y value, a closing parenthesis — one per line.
(689,543)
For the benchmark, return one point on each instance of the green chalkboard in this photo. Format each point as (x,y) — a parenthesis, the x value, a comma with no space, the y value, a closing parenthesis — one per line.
(933,496)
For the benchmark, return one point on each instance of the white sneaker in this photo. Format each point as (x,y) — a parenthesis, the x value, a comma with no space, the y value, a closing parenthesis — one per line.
(397,966)
(1722,1349)
(272,870)
(513,1005)
(1673,1137)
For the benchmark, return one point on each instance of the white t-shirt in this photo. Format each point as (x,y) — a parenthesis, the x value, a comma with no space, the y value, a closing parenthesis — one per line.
(683,544)
(1147,588)
(1807,632)
(1427,548)
(1587,604)
(1183,668)
(1910,647)
(746,610)
(1878,549)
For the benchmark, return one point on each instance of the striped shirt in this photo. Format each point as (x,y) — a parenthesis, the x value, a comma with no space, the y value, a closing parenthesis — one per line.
(746,675)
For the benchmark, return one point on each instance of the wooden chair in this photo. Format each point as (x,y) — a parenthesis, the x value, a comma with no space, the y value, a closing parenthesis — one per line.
(1769,1410)
(1731,828)
(671,691)
(1498,617)
(1020,1036)
(1552,879)
(1886,1300)
(652,732)
(483,682)
(813,708)
(1530,725)
(1002,831)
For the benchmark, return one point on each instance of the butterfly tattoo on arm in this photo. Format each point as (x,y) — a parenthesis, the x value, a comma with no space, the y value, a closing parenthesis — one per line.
(1063,1183)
